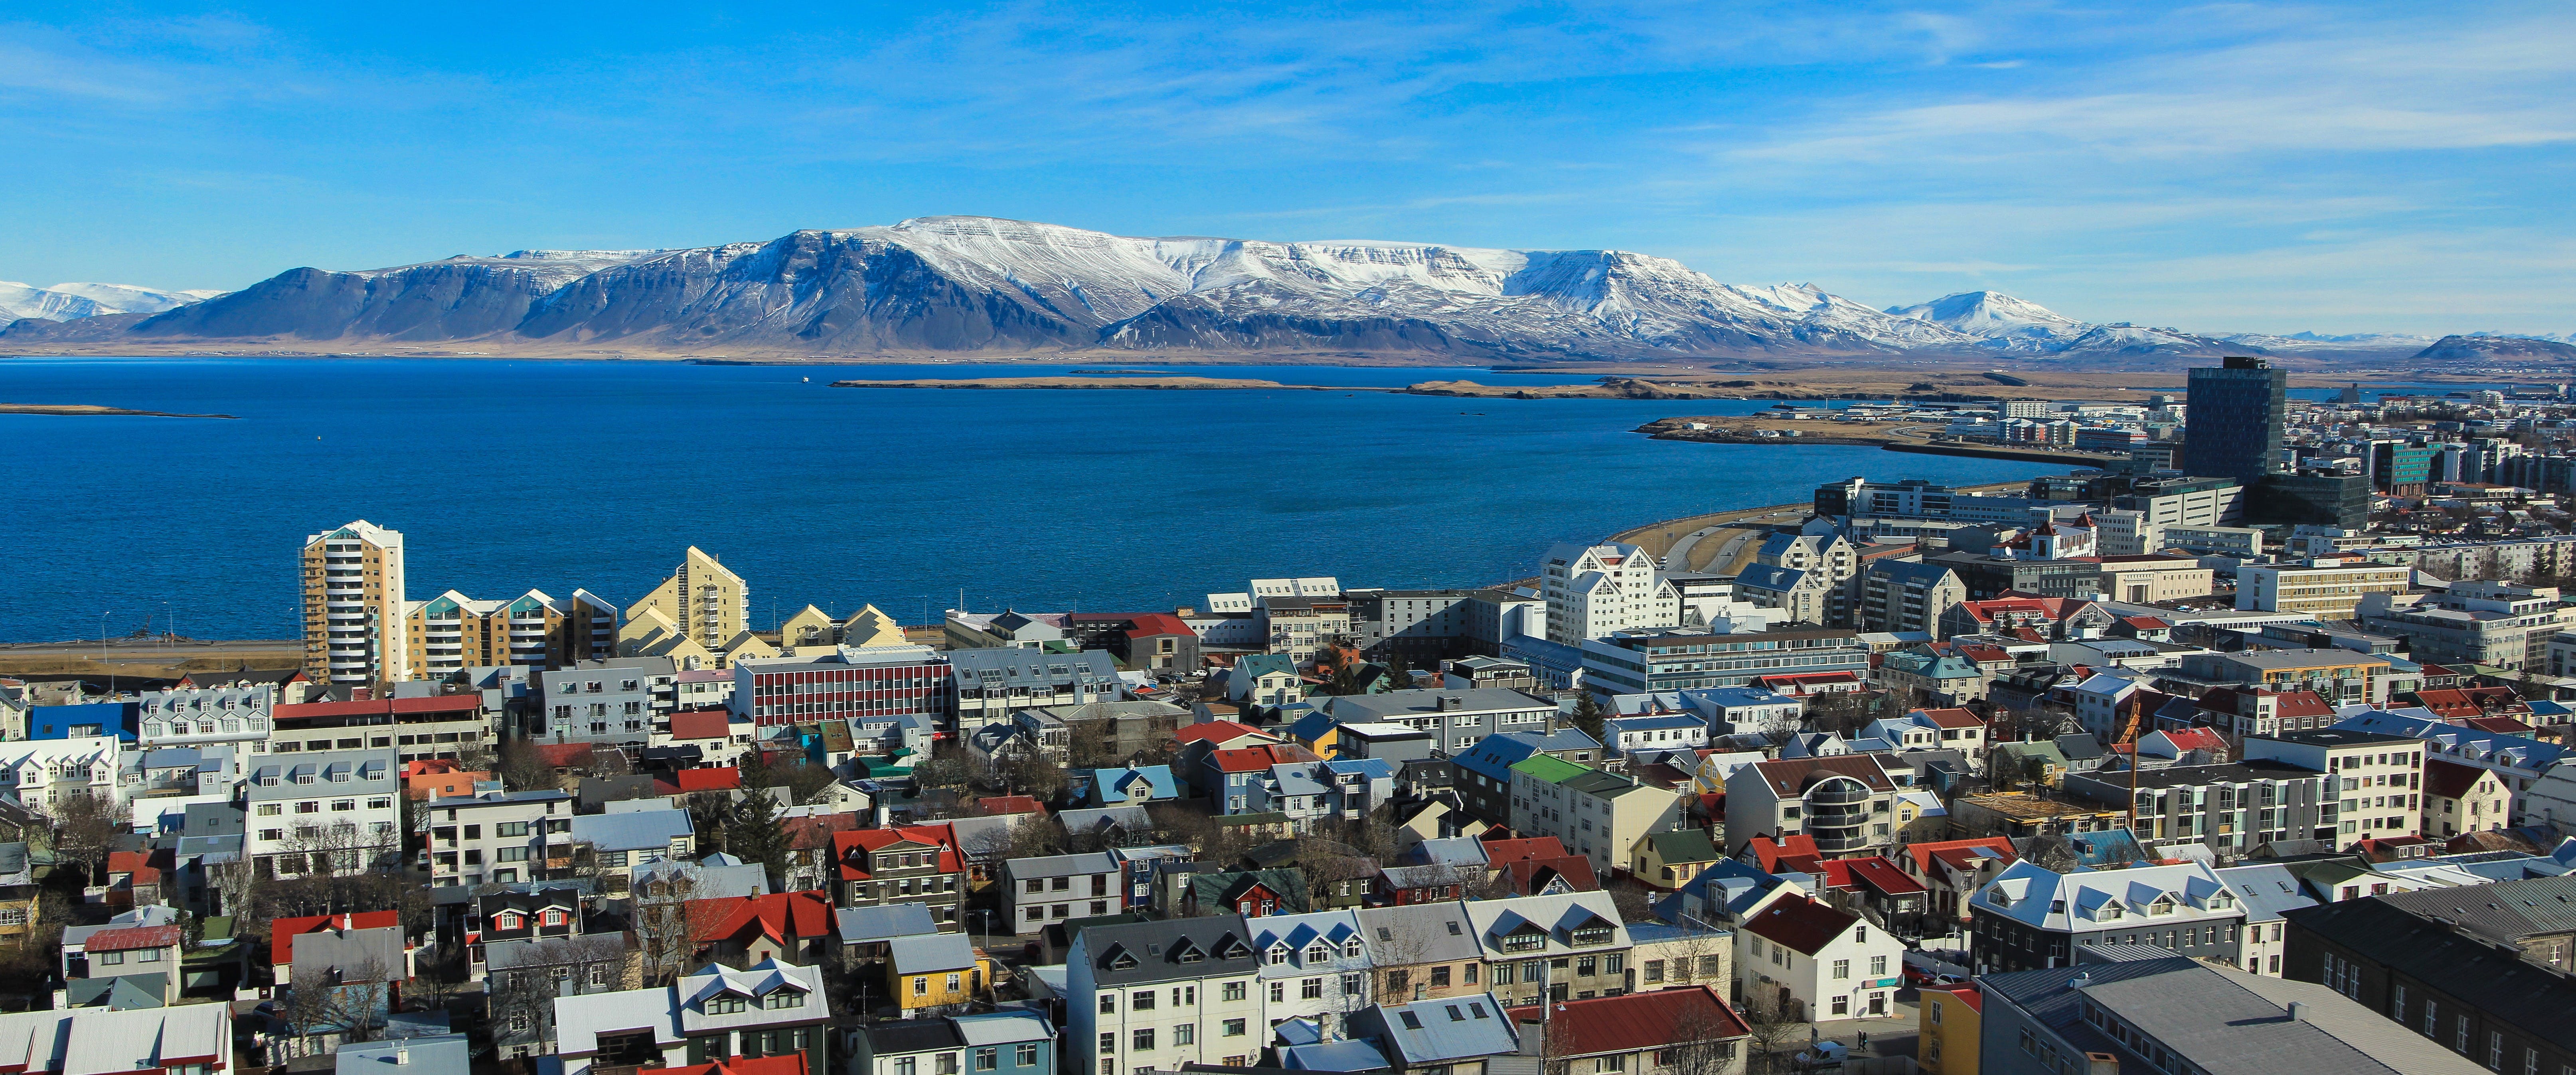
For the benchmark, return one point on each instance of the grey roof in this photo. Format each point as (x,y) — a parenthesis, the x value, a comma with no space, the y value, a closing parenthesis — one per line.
(912,1036)
(1131,817)
(2220,1024)
(1003,1027)
(1016,666)
(631,831)
(861,924)
(351,772)
(1767,577)
(1133,952)
(1295,779)
(347,951)
(443,1054)
(500,798)
(1446,1030)
(2266,890)
(2506,910)
(2501,982)
(1911,571)
(2190,776)
(716,876)
(930,952)
(552,951)
(1061,865)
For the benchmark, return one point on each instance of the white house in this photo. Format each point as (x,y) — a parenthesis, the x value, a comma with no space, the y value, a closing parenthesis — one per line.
(1313,966)
(37,773)
(1593,590)
(1660,731)
(1818,962)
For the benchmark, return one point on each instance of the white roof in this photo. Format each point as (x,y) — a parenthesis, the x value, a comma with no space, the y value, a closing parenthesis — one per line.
(2083,901)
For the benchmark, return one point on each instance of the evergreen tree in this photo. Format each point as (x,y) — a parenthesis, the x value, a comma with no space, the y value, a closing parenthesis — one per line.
(757,835)
(1587,716)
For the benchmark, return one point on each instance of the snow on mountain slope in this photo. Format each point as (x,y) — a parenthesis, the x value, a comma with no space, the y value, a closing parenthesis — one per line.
(2000,321)
(129,299)
(20,300)
(2310,341)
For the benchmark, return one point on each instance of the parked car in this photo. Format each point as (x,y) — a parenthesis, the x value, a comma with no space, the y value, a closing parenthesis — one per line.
(1824,1056)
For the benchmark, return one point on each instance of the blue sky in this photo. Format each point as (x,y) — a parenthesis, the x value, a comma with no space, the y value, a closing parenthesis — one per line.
(2347,167)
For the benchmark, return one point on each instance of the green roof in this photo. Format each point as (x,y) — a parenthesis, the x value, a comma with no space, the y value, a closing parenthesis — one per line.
(1550,768)
(1686,845)
(2035,749)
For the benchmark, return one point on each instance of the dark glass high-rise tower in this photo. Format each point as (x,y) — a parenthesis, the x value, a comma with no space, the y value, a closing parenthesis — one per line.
(2232,427)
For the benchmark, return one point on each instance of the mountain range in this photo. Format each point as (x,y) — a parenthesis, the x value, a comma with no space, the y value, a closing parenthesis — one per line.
(942,285)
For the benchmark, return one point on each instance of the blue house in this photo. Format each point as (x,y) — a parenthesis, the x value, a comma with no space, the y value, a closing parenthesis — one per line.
(82,721)
(1134,785)
(1012,1041)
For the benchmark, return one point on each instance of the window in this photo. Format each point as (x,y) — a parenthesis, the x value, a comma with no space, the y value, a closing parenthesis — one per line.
(1108,1002)
(1878,966)
(1234,1028)
(1654,969)
(1108,1041)
(784,998)
(1234,990)
(1143,1001)
(1440,977)
(944,1064)
(1278,992)
(1842,1005)
(1144,1039)
(1027,1055)
(1615,1062)
(987,1059)
(1842,968)
(1185,1034)
(921,986)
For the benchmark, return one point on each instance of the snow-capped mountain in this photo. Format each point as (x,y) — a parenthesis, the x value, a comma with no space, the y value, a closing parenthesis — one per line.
(2001,321)
(979,284)
(63,302)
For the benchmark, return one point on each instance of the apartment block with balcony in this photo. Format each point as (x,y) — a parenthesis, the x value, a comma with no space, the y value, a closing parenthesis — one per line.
(2231,808)
(1847,804)
(429,726)
(880,681)
(2489,623)
(620,700)
(2374,780)
(237,717)
(353,606)
(499,838)
(2325,588)
(452,632)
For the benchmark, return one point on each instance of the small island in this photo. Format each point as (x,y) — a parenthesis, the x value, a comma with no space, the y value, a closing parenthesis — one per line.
(88,409)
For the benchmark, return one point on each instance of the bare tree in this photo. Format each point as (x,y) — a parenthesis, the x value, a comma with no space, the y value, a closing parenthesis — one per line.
(523,996)
(1778,1027)
(2048,852)
(1634,902)
(1029,772)
(1705,1041)
(85,830)
(524,768)
(666,936)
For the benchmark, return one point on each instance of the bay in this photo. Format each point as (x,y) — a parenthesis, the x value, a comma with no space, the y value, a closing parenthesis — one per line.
(506,475)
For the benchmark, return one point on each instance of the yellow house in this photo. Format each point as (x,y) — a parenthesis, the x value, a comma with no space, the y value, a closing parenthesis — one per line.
(1668,860)
(870,627)
(1947,1022)
(808,627)
(937,970)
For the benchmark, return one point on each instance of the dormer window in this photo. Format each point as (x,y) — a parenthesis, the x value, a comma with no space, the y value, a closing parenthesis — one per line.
(506,921)
(1317,953)
(785,998)
(1351,949)
(727,1004)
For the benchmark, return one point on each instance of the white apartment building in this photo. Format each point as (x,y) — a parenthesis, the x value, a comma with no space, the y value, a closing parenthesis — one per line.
(2221,506)
(236,717)
(2326,589)
(353,606)
(1313,966)
(37,773)
(337,812)
(500,837)
(1152,996)
(1454,718)
(1593,590)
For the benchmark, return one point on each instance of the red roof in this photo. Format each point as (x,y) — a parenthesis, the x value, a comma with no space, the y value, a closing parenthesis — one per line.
(1982,653)
(1769,854)
(1969,995)
(2302,704)
(282,931)
(725,778)
(1000,805)
(1883,875)
(1657,1019)
(778,916)
(1249,759)
(701,724)
(1528,875)
(1218,730)
(1959,853)
(1804,926)
(782,1064)
(1158,623)
(136,863)
(2449,779)
(2146,623)
(943,837)
(2499,723)
(2448,703)
(1505,850)
(1949,718)
(2195,738)
(131,938)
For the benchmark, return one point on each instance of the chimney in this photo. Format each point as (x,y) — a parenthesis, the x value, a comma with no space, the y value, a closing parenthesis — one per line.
(2101,1064)
(2298,1011)
(402,1055)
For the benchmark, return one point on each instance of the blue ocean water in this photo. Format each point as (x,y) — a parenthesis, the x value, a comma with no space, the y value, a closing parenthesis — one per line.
(506,475)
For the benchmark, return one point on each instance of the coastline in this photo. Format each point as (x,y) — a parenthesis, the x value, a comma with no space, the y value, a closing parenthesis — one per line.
(90,410)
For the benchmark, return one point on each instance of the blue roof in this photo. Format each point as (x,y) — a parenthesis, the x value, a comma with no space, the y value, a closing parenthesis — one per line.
(56,721)
(631,831)
(1731,697)
(1445,1030)
(2446,738)
(2543,707)
(1104,782)
(1767,577)
(1332,1056)
(1494,755)
(1312,725)
(1372,768)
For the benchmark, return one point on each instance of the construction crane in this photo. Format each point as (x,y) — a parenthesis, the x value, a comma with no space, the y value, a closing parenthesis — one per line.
(2128,733)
